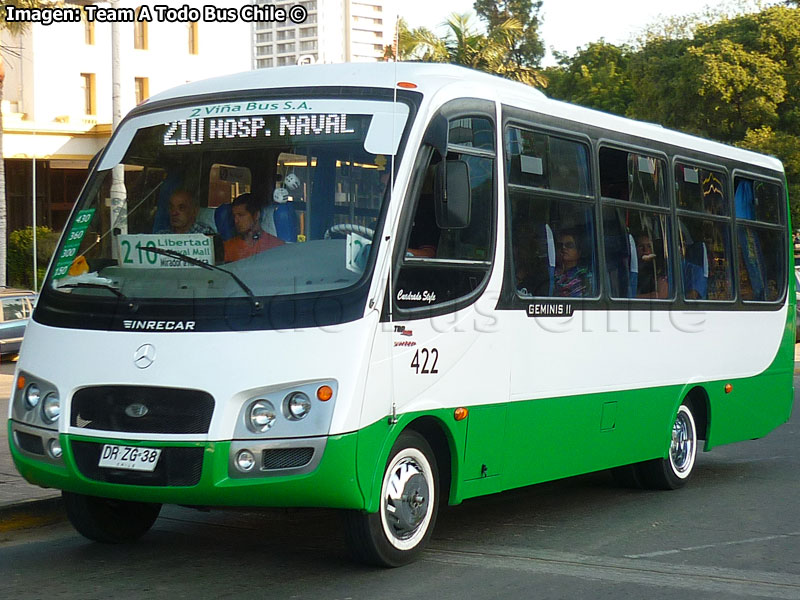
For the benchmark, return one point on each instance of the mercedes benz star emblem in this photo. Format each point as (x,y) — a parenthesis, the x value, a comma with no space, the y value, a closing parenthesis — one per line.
(144,356)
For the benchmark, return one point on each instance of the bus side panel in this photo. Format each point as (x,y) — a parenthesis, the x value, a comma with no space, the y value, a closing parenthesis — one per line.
(756,405)
(553,438)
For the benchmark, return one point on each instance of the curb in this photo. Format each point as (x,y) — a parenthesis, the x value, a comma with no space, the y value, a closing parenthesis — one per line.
(29,514)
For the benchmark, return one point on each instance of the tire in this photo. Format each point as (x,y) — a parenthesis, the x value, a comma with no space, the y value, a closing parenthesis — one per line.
(674,471)
(401,528)
(109,521)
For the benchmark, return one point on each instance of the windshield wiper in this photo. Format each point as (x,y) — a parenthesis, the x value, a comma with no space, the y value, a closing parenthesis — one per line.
(100,286)
(257,306)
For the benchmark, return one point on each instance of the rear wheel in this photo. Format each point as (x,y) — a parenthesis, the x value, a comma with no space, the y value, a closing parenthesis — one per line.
(107,520)
(401,528)
(674,471)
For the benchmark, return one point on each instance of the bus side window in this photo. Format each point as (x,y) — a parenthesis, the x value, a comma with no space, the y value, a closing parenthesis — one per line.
(761,240)
(704,215)
(554,248)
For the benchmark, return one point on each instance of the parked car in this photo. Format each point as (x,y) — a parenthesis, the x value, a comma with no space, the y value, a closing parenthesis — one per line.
(15,309)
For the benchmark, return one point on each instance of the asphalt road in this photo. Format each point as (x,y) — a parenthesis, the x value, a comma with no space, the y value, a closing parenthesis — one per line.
(733,532)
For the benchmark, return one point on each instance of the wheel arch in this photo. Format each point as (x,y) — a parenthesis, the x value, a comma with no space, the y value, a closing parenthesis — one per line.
(699,401)
(700,405)
(442,443)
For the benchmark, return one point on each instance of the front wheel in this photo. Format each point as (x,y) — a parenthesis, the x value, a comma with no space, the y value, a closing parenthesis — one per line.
(107,520)
(674,471)
(401,528)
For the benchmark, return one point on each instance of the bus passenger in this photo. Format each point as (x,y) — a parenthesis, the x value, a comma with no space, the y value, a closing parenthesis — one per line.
(250,238)
(652,281)
(572,280)
(183,215)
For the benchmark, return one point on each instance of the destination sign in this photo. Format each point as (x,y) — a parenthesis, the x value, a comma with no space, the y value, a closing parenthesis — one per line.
(216,130)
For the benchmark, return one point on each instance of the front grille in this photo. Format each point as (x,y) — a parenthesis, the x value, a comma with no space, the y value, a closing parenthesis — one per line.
(30,443)
(141,409)
(286,458)
(176,467)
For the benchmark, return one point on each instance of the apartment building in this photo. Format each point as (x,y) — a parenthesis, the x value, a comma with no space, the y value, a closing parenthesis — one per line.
(57,108)
(334,31)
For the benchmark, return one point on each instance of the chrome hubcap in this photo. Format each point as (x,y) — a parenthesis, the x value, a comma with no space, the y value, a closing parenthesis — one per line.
(682,448)
(406,498)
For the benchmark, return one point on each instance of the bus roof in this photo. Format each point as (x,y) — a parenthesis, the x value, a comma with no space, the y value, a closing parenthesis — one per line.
(430,78)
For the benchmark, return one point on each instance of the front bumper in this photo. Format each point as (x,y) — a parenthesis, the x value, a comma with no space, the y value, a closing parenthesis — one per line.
(198,473)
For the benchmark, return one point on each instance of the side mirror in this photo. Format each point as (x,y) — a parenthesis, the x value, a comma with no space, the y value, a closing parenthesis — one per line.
(452,194)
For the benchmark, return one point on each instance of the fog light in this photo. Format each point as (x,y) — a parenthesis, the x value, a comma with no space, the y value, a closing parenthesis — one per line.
(261,416)
(298,405)
(245,461)
(32,396)
(51,407)
(54,448)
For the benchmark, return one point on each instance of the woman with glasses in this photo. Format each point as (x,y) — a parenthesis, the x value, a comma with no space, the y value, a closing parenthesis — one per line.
(572,280)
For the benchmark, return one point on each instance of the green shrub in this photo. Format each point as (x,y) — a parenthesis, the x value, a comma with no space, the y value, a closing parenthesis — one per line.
(20,255)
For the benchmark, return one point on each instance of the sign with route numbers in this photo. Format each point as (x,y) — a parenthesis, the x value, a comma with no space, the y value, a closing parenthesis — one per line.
(133,249)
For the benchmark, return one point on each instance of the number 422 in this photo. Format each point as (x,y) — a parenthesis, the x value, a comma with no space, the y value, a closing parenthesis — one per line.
(422,369)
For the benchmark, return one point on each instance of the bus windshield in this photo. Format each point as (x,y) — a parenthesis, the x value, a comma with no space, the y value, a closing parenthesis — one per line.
(264,198)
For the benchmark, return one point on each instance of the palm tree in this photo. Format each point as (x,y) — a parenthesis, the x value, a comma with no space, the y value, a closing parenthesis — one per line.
(14,28)
(465,45)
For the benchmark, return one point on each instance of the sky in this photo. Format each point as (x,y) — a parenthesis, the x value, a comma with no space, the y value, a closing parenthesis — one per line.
(568,24)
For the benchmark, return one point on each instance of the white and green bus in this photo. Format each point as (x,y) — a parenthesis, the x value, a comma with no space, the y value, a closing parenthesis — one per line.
(383,288)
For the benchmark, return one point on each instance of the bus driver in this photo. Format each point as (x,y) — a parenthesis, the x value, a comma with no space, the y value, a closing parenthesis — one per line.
(183,215)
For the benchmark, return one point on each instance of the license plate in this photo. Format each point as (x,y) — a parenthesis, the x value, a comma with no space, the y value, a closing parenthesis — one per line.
(129,457)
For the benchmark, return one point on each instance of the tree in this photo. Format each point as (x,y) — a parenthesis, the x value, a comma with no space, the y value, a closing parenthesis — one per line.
(739,88)
(14,28)
(406,42)
(726,80)
(527,48)
(596,76)
(465,45)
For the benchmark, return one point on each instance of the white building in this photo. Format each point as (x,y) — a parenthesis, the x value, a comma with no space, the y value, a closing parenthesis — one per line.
(334,31)
(57,93)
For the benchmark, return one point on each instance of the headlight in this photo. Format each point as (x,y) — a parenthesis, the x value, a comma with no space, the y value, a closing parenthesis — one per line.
(298,405)
(261,416)
(32,396)
(51,407)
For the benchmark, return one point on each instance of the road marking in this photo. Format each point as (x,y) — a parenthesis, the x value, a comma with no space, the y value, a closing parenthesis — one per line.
(766,538)
(730,582)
